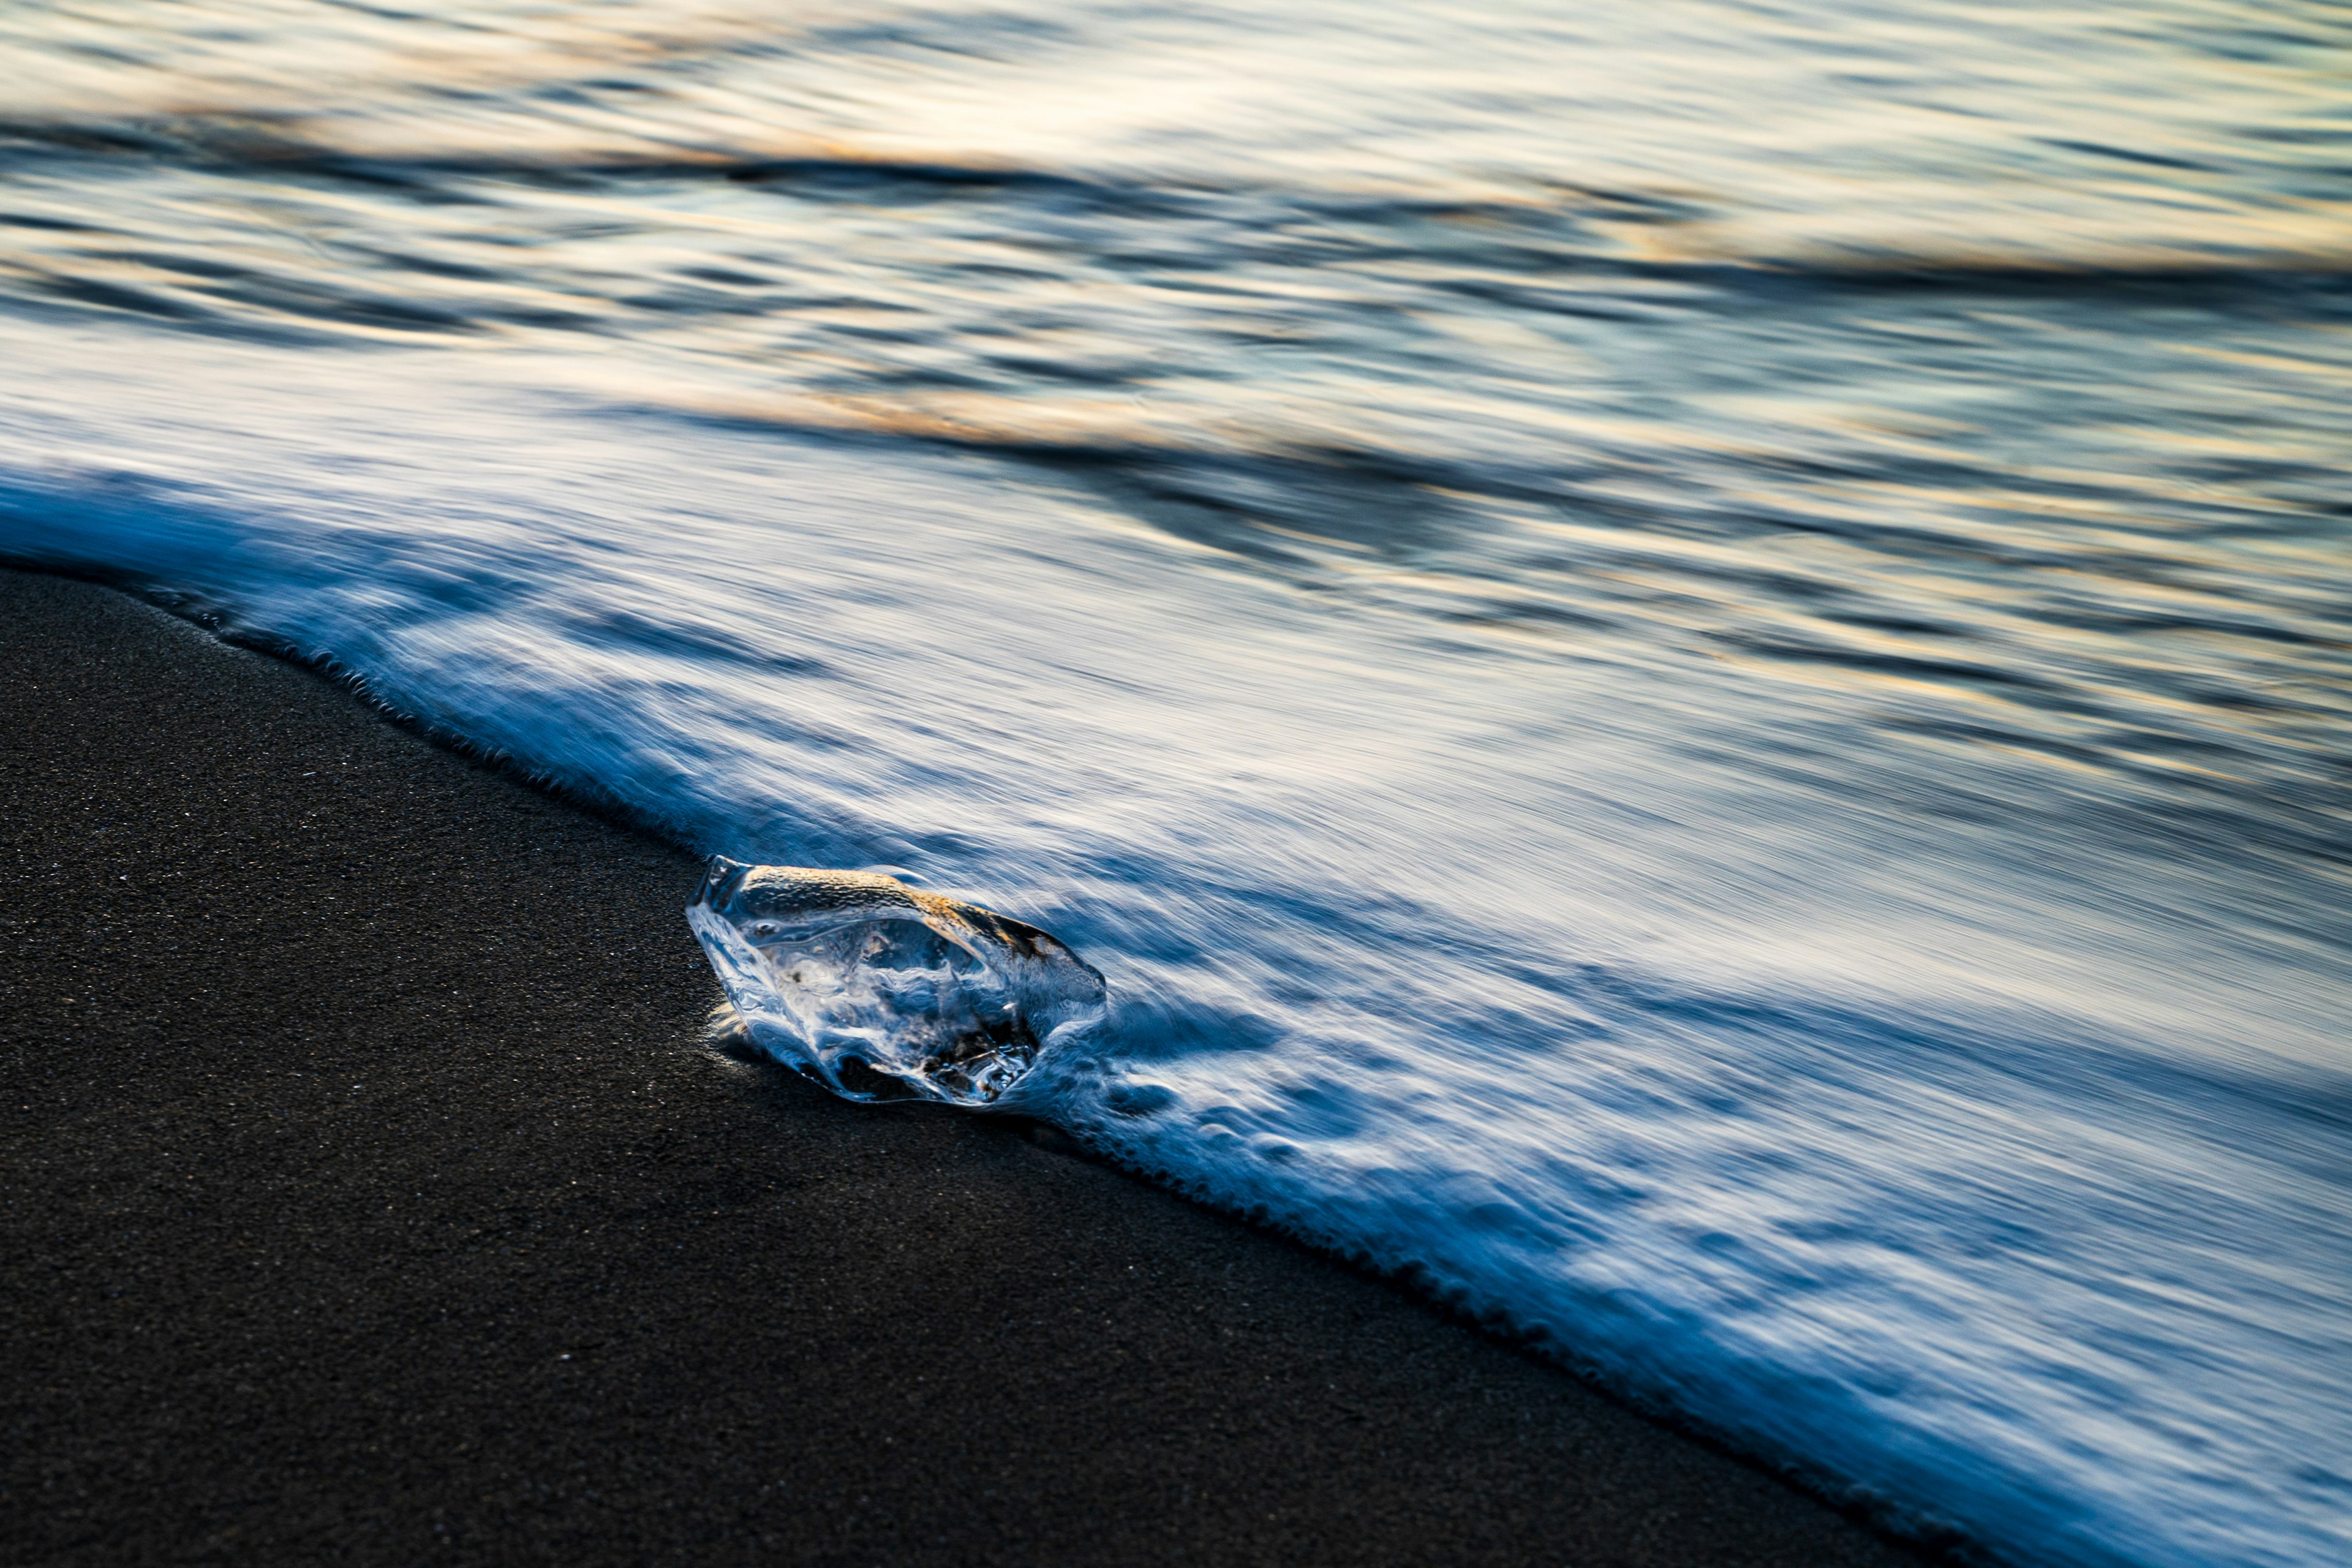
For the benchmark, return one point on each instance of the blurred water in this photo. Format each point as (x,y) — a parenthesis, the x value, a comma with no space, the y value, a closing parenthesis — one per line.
(1688,662)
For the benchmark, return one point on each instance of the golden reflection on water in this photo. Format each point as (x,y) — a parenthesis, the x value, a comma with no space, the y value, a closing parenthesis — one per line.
(1961,131)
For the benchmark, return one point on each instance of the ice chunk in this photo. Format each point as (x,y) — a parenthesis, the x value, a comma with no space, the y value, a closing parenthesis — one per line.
(885,992)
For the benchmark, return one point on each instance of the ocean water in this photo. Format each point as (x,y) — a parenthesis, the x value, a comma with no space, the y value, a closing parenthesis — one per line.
(1689,663)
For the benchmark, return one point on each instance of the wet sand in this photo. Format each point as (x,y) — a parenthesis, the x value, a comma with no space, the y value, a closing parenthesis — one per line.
(369,1197)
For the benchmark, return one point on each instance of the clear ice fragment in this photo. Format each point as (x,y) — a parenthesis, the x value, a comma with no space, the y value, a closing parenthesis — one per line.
(885,992)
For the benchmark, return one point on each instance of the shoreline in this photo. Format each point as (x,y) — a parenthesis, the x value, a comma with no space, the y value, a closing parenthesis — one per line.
(375,1198)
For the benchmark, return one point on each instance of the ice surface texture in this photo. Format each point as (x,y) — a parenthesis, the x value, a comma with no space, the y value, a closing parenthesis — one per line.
(884,992)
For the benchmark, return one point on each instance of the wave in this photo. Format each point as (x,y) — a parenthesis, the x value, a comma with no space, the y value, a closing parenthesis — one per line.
(1926,1178)
(1663,234)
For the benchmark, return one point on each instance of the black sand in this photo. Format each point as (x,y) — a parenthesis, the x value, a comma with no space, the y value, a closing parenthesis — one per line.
(370,1199)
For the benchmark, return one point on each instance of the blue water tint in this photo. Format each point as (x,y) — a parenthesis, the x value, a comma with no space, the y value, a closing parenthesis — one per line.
(1688,666)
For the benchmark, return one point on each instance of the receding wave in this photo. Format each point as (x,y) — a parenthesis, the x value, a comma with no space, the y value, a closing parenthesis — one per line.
(1762,1150)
